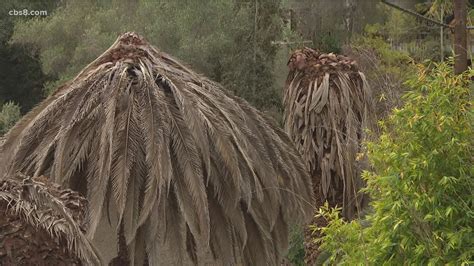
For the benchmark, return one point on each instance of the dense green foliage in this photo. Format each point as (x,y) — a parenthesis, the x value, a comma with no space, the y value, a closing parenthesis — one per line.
(296,252)
(331,24)
(218,38)
(418,38)
(9,114)
(20,71)
(386,69)
(421,183)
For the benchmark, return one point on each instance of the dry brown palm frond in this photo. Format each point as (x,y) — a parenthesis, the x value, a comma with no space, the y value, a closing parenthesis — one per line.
(327,107)
(43,224)
(183,167)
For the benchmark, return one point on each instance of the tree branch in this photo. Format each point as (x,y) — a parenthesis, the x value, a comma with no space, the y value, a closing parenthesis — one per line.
(413,13)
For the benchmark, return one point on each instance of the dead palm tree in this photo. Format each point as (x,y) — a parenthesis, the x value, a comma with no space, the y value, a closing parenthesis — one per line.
(327,103)
(182,169)
(42,225)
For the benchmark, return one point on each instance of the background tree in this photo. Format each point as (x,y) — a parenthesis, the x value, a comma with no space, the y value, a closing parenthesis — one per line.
(17,62)
(460,36)
(215,37)
(9,115)
(330,33)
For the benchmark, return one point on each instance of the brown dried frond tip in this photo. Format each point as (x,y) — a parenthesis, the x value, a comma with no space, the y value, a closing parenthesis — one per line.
(313,63)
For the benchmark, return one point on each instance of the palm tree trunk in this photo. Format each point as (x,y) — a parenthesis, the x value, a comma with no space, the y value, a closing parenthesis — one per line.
(460,36)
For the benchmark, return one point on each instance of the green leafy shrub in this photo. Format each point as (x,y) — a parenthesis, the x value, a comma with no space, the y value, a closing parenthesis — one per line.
(421,183)
(10,113)
(329,43)
(295,253)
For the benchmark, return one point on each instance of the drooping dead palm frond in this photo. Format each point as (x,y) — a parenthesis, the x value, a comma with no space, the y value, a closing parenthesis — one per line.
(42,225)
(185,170)
(327,103)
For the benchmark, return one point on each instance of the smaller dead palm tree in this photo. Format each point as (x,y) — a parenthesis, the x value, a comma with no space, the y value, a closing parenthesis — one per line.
(327,102)
(42,224)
